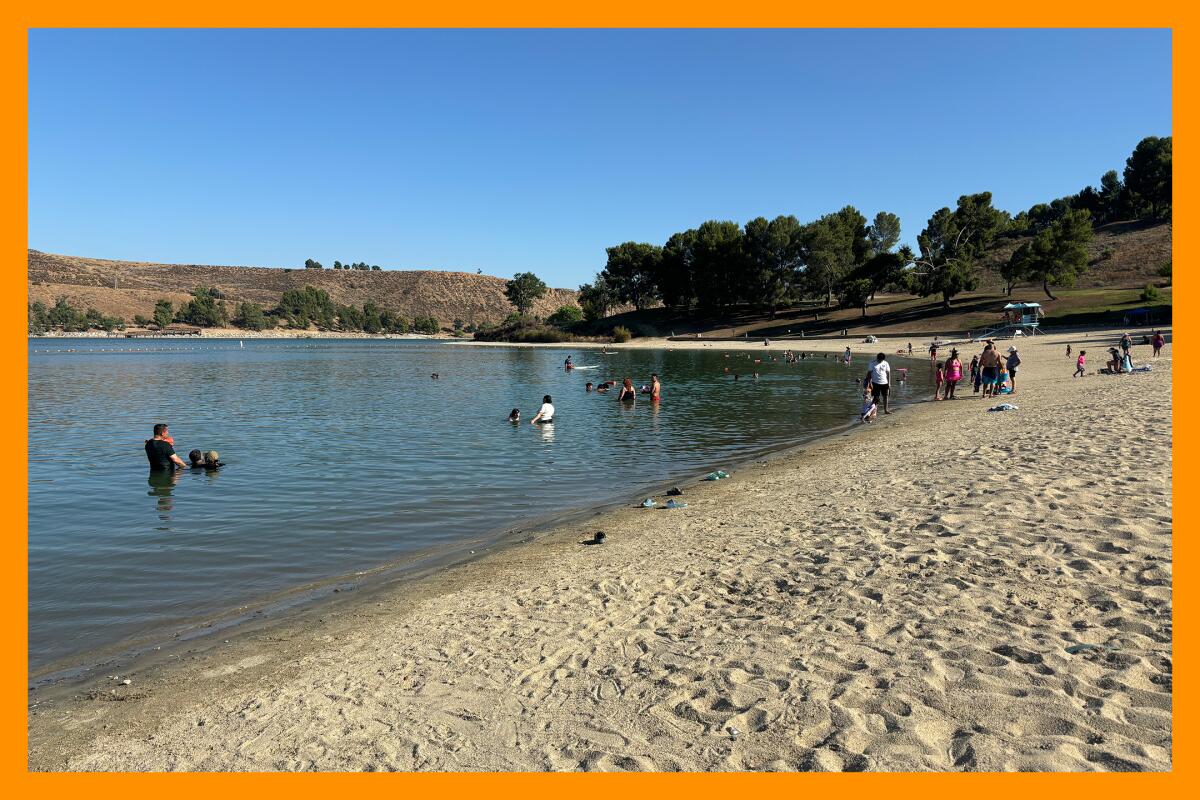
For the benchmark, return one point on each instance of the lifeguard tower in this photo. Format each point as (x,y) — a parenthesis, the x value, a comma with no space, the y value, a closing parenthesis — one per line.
(1020,319)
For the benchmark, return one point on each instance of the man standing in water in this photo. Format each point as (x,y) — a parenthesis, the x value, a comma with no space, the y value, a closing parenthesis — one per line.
(881,376)
(159,451)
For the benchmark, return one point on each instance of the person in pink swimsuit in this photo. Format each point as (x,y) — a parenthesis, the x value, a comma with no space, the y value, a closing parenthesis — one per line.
(954,373)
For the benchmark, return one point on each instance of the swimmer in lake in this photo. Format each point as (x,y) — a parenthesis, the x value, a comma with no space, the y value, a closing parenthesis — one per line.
(628,394)
(588,386)
(514,416)
(545,414)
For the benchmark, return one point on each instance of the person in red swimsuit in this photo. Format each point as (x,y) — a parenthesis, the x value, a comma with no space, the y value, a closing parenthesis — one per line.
(655,388)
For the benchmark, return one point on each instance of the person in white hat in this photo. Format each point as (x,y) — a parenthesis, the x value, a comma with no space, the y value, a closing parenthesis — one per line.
(1012,362)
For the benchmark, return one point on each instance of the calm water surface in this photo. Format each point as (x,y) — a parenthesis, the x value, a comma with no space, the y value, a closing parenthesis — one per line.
(344,454)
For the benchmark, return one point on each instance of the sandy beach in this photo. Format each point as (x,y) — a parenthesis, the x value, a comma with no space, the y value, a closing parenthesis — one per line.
(947,589)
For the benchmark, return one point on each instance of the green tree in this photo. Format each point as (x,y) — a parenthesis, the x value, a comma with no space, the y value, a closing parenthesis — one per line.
(951,244)
(251,317)
(523,290)
(39,318)
(392,322)
(204,309)
(632,271)
(883,233)
(855,294)
(1056,255)
(676,271)
(833,246)
(164,313)
(310,264)
(596,298)
(302,307)
(565,315)
(1016,269)
(428,325)
(718,263)
(772,252)
(141,321)
(1148,177)
(1114,200)
(372,318)
(337,265)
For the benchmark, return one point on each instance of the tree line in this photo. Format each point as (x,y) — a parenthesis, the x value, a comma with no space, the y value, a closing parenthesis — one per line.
(359,265)
(296,309)
(770,264)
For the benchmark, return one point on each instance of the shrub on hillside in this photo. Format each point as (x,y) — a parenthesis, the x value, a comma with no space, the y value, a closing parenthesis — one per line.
(565,315)
(1164,271)
(621,334)
(1150,293)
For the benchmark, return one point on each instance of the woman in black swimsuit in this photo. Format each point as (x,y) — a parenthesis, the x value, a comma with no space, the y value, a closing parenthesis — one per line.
(628,394)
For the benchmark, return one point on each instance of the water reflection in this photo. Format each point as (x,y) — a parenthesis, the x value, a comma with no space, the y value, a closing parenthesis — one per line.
(162,484)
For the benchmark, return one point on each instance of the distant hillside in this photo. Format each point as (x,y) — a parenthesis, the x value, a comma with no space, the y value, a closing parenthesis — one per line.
(1122,255)
(126,288)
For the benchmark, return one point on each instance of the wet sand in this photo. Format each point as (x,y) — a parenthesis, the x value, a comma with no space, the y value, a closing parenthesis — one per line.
(947,589)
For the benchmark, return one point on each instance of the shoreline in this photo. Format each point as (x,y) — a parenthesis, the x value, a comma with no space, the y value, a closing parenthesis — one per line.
(65,676)
(86,734)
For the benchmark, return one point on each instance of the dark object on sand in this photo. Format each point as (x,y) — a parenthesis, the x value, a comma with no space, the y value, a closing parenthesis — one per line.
(674,491)
(599,537)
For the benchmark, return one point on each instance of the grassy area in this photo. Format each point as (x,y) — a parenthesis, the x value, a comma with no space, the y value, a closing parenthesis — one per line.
(903,313)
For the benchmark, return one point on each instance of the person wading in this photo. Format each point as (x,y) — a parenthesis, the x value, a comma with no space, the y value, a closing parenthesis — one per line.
(880,376)
(159,451)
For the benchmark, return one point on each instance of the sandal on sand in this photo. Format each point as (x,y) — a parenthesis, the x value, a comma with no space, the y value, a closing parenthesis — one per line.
(649,503)
(675,504)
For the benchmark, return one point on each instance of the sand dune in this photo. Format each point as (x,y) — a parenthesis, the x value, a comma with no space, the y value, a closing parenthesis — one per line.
(946,590)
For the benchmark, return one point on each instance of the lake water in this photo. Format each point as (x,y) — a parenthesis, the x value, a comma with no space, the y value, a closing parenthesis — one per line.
(344,454)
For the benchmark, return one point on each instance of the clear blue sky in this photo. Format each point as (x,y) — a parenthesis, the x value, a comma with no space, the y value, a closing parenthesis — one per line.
(534,150)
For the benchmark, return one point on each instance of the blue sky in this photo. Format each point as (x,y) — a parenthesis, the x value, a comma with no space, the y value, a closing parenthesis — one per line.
(534,150)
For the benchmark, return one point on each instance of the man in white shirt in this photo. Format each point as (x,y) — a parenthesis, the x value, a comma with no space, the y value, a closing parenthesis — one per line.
(545,413)
(880,375)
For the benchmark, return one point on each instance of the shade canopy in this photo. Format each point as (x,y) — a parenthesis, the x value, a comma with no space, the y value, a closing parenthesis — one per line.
(1011,306)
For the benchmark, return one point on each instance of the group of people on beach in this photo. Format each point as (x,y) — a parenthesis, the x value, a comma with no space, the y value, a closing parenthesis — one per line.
(160,452)
(989,371)
(1120,360)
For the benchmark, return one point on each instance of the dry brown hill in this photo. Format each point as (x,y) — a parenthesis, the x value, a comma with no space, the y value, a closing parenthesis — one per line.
(1122,255)
(126,288)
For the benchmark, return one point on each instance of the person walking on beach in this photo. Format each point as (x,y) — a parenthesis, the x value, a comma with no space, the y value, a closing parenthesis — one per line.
(989,370)
(910,348)
(1157,342)
(881,375)
(1012,362)
(933,352)
(1079,365)
(545,414)
(954,371)
(975,372)
(1068,351)
(628,394)
(159,451)
(939,377)
(1126,343)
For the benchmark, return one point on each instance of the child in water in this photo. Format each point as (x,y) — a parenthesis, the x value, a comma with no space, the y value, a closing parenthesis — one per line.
(868,408)
(515,415)
(938,379)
